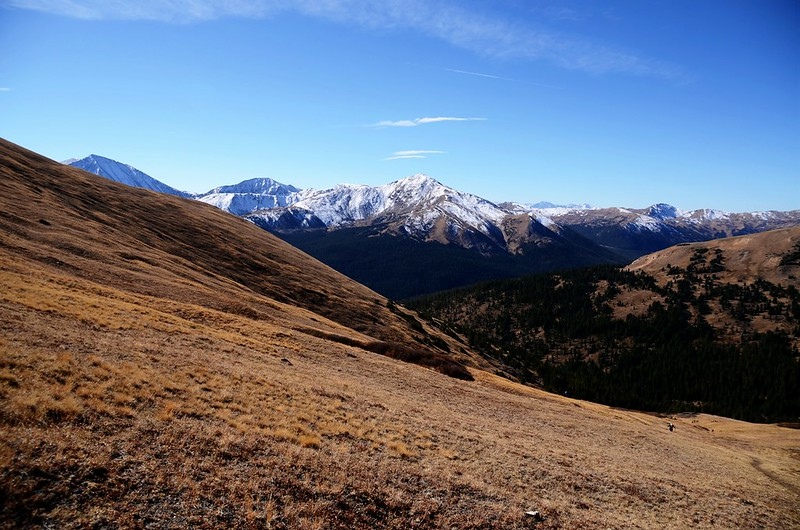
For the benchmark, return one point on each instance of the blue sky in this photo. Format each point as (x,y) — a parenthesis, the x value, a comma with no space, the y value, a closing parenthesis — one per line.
(621,102)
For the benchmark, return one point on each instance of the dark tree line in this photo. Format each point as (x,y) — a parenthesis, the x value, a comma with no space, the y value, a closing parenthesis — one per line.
(558,330)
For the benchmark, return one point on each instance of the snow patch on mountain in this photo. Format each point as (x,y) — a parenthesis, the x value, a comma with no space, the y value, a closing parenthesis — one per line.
(343,204)
(706,214)
(547,222)
(558,211)
(290,218)
(646,222)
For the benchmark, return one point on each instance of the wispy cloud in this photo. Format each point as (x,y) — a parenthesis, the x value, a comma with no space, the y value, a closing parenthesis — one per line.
(403,155)
(175,11)
(499,78)
(477,74)
(447,21)
(421,121)
(4,89)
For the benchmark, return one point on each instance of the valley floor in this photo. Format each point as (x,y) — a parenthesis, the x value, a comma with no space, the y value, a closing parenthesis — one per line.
(164,427)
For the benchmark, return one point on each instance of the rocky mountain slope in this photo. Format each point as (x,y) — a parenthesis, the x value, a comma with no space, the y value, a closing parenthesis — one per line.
(166,365)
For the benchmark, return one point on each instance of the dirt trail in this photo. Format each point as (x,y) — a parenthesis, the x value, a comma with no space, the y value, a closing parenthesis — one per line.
(758,465)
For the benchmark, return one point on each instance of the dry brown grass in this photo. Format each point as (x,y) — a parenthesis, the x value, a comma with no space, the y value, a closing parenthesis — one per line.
(171,427)
(152,393)
(745,257)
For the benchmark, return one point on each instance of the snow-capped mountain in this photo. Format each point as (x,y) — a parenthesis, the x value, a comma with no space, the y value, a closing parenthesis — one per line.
(634,232)
(418,207)
(123,173)
(250,195)
(383,235)
(663,211)
(424,209)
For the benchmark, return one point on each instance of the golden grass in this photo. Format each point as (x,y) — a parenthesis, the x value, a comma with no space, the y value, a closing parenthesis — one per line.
(130,427)
(144,382)
(744,258)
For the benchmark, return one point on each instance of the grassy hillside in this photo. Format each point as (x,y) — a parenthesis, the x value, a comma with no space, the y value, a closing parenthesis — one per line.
(705,333)
(163,247)
(146,383)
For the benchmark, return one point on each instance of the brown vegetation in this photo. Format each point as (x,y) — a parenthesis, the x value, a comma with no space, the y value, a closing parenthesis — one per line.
(744,258)
(154,375)
(741,260)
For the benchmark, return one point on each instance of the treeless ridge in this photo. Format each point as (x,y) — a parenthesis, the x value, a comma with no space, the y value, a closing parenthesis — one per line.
(150,377)
(744,257)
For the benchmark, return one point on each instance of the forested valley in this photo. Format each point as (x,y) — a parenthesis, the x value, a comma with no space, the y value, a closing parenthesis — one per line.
(605,334)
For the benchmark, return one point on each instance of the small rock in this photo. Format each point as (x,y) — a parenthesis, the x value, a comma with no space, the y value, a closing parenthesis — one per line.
(287,361)
(537,516)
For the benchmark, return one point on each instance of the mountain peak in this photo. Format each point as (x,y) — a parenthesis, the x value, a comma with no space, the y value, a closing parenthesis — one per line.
(420,184)
(251,195)
(259,185)
(124,174)
(103,161)
(662,211)
(419,178)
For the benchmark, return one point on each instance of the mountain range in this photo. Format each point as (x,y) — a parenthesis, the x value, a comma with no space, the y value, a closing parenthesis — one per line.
(164,364)
(416,235)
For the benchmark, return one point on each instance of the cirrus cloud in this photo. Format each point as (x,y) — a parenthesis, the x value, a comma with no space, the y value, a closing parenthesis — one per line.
(451,22)
(419,153)
(421,121)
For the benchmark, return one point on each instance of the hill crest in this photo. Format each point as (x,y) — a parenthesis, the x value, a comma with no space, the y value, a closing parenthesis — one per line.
(152,244)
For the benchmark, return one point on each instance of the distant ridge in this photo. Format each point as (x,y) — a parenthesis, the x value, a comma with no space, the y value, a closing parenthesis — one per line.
(123,173)
(417,235)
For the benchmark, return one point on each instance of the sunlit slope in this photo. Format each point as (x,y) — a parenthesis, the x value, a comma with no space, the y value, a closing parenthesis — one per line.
(765,255)
(765,263)
(83,226)
(174,390)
